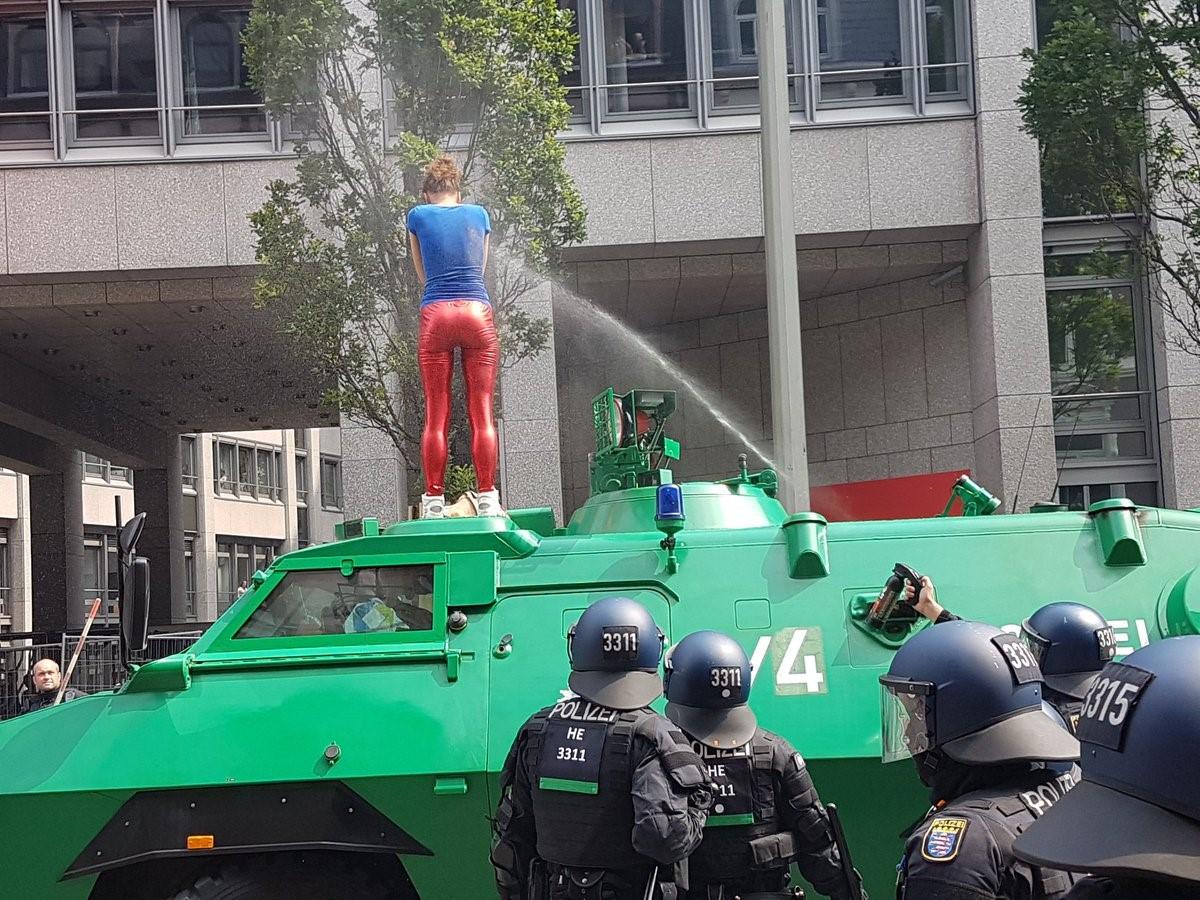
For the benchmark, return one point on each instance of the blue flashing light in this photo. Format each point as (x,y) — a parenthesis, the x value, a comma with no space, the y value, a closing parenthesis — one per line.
(668,503)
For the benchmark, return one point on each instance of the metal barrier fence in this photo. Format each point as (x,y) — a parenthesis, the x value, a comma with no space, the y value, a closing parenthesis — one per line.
(98,669)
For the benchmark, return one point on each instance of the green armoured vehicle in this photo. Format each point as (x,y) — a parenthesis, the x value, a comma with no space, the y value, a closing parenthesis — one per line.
(339,730)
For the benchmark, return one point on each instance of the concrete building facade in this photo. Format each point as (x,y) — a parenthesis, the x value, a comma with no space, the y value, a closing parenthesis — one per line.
(246,498)
(945,317)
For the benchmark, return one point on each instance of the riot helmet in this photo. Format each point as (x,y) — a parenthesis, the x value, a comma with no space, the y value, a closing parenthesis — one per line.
(614,650)
(707,683)
(1071,643)
(973,693)
(1136,812)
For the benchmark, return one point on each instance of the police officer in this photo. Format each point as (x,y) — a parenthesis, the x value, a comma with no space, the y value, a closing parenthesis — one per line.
(964,700)
(766,812)
(600,796)
(1071,643)
(1134,820)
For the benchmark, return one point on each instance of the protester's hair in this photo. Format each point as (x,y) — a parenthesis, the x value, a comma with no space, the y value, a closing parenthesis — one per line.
(442,177)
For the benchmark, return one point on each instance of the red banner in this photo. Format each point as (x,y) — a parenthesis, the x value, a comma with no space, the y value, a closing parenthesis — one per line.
(911,497)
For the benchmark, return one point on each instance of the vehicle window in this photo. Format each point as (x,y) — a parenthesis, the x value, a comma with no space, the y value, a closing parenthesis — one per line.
(395,598)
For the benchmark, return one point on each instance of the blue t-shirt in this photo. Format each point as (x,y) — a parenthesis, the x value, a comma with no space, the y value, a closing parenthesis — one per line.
(452,239)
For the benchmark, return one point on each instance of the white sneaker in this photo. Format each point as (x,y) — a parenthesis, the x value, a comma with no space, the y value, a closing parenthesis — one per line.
(433,506)
(489,504)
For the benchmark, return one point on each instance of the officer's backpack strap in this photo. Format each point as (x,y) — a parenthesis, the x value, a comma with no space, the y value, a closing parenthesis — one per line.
(1047,882)
(763,750)
(535,731)
(677,757)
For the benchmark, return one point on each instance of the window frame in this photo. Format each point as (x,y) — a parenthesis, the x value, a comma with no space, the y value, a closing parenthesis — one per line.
(177,113)
(69,112)
(915,101)
(188,460)
(122,476)
(104,539)
(5,573)
(233,549)
(1073,472)
(224,642)
(49,112)
(340,497)
(239,487)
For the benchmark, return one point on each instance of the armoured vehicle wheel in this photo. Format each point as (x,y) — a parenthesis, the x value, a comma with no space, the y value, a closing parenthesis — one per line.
(290,876)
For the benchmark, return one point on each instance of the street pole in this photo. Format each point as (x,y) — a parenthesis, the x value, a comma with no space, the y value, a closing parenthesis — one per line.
(783,290)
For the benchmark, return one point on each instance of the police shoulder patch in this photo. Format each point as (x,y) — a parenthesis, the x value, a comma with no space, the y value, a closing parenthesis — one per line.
(943,838)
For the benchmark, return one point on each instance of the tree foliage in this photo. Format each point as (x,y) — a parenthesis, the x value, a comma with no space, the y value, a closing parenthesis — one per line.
(1113,97)
(480,77)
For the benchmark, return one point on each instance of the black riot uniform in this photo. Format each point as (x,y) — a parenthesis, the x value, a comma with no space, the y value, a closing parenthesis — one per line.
(766,812)
(601,797)
(1071,643)
(964,700)
(1134,819)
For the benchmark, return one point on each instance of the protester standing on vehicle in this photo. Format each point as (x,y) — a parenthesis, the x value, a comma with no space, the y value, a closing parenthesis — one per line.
(766,813)
(600,796)
(449,244)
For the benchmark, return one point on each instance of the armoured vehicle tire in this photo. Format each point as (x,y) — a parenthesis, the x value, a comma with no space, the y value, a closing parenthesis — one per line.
(290,876)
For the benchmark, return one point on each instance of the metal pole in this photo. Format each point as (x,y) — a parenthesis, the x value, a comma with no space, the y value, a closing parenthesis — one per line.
(783,291)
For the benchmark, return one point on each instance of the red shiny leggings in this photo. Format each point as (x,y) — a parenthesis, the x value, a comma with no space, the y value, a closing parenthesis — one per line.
(467,325)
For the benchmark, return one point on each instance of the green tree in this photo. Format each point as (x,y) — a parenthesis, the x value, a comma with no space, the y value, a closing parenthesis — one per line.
(479,77)
(1113,97)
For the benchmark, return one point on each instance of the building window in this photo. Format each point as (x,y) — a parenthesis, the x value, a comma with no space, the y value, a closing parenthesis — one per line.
(248,470)
(302,478)
(331,482)
(1081,496)
(300,436)
(651,56)
(573,79)
(214,82)
(1099,373)
(870,62)
(945,40)
(25,73)
(189,575)
(5,585)
(187,452)
(303,538)
(734,55)
(101,469)
(100,573)
(237,561)
(112,76)
(646,63)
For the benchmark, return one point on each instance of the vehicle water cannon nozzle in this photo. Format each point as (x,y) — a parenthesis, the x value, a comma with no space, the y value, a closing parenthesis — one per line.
(669,518)
(976,499)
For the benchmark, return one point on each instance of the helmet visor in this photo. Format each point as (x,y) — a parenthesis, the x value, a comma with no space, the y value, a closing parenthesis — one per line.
(907,726)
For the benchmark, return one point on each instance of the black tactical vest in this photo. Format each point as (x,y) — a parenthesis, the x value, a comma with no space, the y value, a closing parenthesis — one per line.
(742,835)
(577,755)
(1006,812)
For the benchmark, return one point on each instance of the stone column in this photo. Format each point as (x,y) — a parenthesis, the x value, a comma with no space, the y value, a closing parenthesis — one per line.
(20,570)
(56,542)
(1006,306)
(1177,383)
(374,477)
(205,547)
(158,492)
(530,472)
(287,489)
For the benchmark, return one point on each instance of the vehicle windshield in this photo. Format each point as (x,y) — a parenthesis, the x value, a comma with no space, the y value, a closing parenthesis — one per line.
(395,598)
